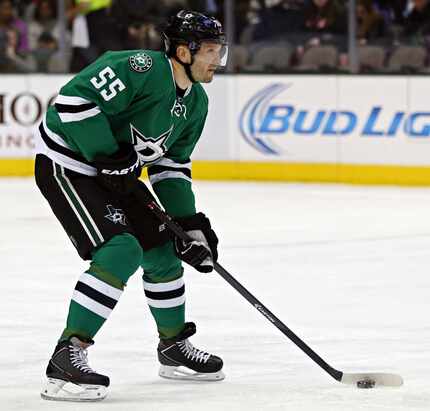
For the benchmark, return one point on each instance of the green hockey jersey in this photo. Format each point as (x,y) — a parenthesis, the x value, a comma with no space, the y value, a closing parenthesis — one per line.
(129,96)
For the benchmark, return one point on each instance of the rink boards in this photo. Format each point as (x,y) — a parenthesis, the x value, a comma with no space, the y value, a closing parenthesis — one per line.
(366,129)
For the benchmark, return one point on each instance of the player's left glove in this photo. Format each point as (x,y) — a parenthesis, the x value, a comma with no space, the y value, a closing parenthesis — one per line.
(201,252)
(119,173)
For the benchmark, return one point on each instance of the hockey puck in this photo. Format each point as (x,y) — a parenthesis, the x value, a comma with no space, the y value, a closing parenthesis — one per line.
(365,384)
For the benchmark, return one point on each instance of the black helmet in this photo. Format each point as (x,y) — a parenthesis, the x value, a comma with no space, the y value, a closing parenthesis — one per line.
(191,28)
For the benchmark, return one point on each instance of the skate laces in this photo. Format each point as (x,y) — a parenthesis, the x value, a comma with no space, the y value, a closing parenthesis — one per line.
(193,353)
(79,359)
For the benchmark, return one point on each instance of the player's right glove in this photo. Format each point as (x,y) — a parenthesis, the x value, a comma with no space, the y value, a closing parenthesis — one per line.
(201,252)
(119,173)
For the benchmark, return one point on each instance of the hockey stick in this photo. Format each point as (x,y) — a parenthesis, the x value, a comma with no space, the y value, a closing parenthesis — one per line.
(360,380)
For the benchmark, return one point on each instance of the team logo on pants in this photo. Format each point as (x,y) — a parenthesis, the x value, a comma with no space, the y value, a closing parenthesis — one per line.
(116,215)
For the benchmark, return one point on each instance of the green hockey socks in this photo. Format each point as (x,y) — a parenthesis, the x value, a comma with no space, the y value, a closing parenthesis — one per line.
(164,289)
(100,287)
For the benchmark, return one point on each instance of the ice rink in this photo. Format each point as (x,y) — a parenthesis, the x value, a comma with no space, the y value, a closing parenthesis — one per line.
(345,267)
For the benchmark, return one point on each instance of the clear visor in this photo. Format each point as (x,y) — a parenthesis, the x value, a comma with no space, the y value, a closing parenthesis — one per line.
(213,54)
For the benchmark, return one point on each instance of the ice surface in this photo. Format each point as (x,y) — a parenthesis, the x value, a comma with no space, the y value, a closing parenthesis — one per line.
(346,268)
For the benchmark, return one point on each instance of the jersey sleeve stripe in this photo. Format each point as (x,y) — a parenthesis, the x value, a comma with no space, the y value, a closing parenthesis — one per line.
(170,163)
(70,117)
(168,174)
(67,108)
(55,146)
(71,100)
(156,169)
(53,136)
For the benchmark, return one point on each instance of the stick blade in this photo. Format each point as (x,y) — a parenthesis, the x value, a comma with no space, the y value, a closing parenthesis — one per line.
(372,380)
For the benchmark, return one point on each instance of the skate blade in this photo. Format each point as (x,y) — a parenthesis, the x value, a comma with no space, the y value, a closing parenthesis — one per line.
(185,374)
(59,390)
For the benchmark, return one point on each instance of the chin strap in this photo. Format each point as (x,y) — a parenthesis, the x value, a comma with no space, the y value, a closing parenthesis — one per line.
(187,67)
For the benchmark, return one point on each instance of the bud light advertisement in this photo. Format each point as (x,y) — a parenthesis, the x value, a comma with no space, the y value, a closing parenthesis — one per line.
(370,120)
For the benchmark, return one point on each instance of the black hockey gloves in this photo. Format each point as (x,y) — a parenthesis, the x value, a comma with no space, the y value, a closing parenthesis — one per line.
(202,251)
(119,173)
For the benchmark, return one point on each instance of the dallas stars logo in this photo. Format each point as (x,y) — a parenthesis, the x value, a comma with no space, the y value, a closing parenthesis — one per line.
(149,149)
(116,215)
(140,62)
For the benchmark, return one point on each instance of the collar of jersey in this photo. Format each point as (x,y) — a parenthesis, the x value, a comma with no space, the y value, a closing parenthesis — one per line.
(187,91)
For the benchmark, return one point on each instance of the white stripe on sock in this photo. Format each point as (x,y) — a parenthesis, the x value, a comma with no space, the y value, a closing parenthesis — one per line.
(90,304)
(173,302)
(160,287)
(100,286)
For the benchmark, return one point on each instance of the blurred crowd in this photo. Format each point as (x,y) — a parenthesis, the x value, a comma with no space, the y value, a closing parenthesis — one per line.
(312,35)
(269,36)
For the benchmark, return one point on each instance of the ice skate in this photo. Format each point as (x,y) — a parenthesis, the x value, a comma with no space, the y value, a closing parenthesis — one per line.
(70,378)
(180,360)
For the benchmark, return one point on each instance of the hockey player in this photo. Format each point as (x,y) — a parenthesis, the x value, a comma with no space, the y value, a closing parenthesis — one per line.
(126,111)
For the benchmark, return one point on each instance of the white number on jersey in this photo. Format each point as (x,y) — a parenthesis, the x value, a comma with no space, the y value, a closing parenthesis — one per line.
(113,87)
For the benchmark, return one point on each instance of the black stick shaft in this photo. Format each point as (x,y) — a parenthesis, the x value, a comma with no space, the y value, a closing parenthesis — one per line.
(276,321)
(179,232)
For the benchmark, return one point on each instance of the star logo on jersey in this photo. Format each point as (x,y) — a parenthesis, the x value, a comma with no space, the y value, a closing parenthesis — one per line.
(140,62)
(149,149)
(116,215)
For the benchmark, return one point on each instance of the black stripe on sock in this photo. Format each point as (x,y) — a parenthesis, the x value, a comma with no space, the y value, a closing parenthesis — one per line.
(152,170)
(95,295)
(165,295)
(68,108)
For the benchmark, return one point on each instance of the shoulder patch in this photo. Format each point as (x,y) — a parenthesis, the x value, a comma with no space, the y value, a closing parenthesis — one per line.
(140,62)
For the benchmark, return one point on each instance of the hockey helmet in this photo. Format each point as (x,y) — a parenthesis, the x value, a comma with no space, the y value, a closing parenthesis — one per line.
(192,29)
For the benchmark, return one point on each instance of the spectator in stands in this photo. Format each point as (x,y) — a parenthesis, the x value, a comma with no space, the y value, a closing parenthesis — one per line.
(417,23)
(11,61)
(45,58)
(325,22)
(82,54)
(281,20)
(326,16)
(391,10)
(143,35)
(45,47)
(102,28)
(94,31)
(5,65)
(370,24)
(242,22)
(216,8)
(45,20)
(9,23)
(21,7)
(137,21)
